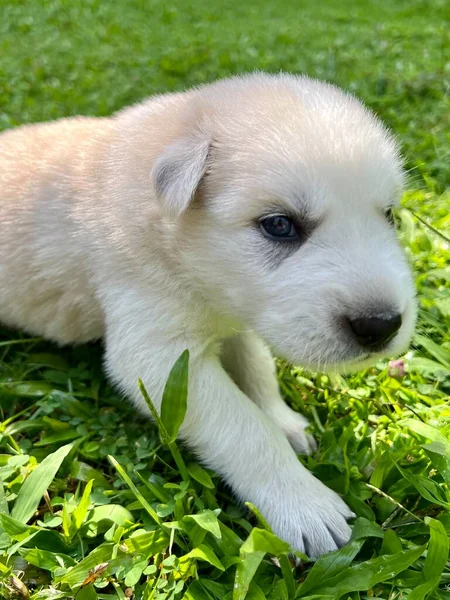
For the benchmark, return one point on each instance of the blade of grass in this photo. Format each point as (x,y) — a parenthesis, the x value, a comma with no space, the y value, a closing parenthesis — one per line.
(81,510)
(433,229)
(37,483)
(164,434)
(134,489)
(435,561)
(174,400)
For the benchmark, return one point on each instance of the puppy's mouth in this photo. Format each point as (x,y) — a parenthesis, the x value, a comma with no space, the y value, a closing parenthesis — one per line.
(348,364)
(362,358)
(364,361)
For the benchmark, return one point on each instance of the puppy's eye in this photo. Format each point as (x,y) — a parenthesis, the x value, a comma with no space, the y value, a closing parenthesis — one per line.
(389,216)
(278,227)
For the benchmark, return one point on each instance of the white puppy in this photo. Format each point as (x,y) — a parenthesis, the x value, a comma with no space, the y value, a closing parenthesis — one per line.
(256,208)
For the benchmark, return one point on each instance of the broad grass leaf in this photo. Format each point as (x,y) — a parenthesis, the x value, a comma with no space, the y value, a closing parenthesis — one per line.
(440,274)
(198,473)
(28,389)
(437,351)
(110,513)
(203,552)
(197,592)
(331,564)
(364,576)
(255,592)
(391,543)
(383,466)
(444,306)
(53,543)
(3,501)
(23,541)
(256,546)
(435,561)
(37,483)
(84,472)
(75,576)
(262,523)
(321,597)
(407,225)
(363,528)
(57,438)
(174,401)
(218,590)
(46,560)
(261,540)
(148,543)
(426,487)
(229,561)
(230,542)
(27,425)
(81,510)
(156,485)
(43,539)
(53,361)
(56,424)
(444,518)
(245,571)
(87,593)
(428,368)
(278,591)
(438,449)
(359,507)
(427,432)
(72,405)
(441,462)
(67,521)
(207,520)
(288,576)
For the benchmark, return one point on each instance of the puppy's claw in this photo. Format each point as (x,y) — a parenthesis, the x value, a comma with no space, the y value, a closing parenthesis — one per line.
(318,523)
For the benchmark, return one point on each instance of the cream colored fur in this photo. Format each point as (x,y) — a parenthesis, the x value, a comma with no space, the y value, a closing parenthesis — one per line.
(142,228)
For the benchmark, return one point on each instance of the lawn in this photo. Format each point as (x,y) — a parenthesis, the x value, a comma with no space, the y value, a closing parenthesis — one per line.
(93,502)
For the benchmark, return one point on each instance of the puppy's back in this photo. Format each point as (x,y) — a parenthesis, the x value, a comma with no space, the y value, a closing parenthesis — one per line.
(44,283)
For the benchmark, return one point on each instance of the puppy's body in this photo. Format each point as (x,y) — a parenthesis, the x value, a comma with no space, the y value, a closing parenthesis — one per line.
(145,228)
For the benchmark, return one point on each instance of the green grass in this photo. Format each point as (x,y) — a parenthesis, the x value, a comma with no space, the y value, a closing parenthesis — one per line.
(89,488)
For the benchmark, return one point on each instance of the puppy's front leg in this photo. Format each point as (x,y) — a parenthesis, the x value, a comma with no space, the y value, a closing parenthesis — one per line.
(234,437)
(251,365)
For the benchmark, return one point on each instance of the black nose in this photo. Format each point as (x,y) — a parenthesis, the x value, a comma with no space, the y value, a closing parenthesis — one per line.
(375,331)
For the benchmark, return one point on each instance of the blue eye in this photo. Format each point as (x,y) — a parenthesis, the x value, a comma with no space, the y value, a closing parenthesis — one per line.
(278,227)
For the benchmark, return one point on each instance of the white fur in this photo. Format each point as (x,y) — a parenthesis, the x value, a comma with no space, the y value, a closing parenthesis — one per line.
(142,228)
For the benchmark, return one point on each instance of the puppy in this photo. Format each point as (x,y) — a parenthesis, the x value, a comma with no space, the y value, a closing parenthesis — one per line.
(251,213)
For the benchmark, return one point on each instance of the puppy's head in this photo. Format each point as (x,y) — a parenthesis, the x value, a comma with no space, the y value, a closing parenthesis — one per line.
(280,197)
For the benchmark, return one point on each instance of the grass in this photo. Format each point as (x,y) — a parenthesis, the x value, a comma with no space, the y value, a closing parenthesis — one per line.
(95,503)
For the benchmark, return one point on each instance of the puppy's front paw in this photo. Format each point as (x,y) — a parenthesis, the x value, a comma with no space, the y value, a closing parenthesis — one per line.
(313,521)
(294,425)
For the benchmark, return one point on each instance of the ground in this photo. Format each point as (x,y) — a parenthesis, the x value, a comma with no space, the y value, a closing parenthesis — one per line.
(146,521)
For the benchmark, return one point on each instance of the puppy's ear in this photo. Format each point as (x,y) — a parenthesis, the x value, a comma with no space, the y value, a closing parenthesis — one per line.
(177,173)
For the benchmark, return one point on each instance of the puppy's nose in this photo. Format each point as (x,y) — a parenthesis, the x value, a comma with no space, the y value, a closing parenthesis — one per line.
(375,331)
